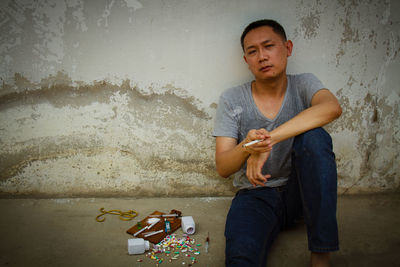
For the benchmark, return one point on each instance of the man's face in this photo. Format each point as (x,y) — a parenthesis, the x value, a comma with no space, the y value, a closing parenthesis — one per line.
(266,53)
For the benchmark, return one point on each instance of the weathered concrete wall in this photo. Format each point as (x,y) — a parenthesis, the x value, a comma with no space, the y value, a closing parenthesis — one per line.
(118,97)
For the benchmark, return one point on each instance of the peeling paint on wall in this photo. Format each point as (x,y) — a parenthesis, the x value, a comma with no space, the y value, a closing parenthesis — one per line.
(310,18)
(118,96)
(359,41)
(104,138)
(366,145)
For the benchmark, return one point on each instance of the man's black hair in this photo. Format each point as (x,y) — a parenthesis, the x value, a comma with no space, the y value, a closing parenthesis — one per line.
(276,27)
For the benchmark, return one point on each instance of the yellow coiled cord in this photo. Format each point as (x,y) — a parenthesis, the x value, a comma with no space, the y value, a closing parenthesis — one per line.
(125,216)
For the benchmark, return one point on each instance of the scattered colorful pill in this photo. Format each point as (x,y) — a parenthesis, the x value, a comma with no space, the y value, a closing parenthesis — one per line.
(183,245)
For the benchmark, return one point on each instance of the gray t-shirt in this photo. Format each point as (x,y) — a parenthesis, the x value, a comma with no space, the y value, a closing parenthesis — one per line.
(237,114)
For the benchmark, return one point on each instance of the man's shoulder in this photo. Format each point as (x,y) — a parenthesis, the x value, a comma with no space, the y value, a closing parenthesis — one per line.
(302,77)
(306,82)
(236,91)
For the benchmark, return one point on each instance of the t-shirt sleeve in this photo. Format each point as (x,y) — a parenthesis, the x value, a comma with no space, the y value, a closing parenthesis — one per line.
(226,123)
(309,84)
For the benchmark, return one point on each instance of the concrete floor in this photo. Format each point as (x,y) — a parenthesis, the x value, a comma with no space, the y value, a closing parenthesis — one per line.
(63,232)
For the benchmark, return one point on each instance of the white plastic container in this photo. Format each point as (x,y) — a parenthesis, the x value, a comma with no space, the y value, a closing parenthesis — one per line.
(188,225)
(137,245)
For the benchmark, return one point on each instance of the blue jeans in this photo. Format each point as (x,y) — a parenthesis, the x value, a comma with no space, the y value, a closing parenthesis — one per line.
(256,216)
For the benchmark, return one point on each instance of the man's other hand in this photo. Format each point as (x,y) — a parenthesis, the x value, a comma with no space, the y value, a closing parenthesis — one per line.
(254,168)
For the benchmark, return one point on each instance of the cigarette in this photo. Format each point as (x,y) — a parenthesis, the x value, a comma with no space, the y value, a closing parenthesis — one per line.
(153,233)
(165,215)
(154,223)
(138,232)
(253,142)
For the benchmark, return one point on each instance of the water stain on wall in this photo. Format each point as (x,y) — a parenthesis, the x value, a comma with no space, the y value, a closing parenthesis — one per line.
(372,138)
(57,138)
(106,139)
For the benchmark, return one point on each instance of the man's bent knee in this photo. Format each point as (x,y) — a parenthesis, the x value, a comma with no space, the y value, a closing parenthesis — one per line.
(313,141)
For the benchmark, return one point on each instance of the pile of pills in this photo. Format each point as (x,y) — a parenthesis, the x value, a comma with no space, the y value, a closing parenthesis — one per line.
(172,249)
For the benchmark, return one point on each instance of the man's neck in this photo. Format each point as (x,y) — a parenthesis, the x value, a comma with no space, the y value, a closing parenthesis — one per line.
(271,88)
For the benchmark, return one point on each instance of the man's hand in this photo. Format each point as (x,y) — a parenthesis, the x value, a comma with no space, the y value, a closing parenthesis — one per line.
(260,147)
(230,156)
(259,154)
(254,167)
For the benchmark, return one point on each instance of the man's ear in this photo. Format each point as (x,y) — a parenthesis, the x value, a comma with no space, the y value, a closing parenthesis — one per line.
(245,59)
(289,47)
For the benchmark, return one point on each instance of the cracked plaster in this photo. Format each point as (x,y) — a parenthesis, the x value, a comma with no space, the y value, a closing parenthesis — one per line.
(117,97)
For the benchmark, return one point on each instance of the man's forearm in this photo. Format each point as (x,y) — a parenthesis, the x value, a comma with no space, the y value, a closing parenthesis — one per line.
(313,117)
(232,160)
